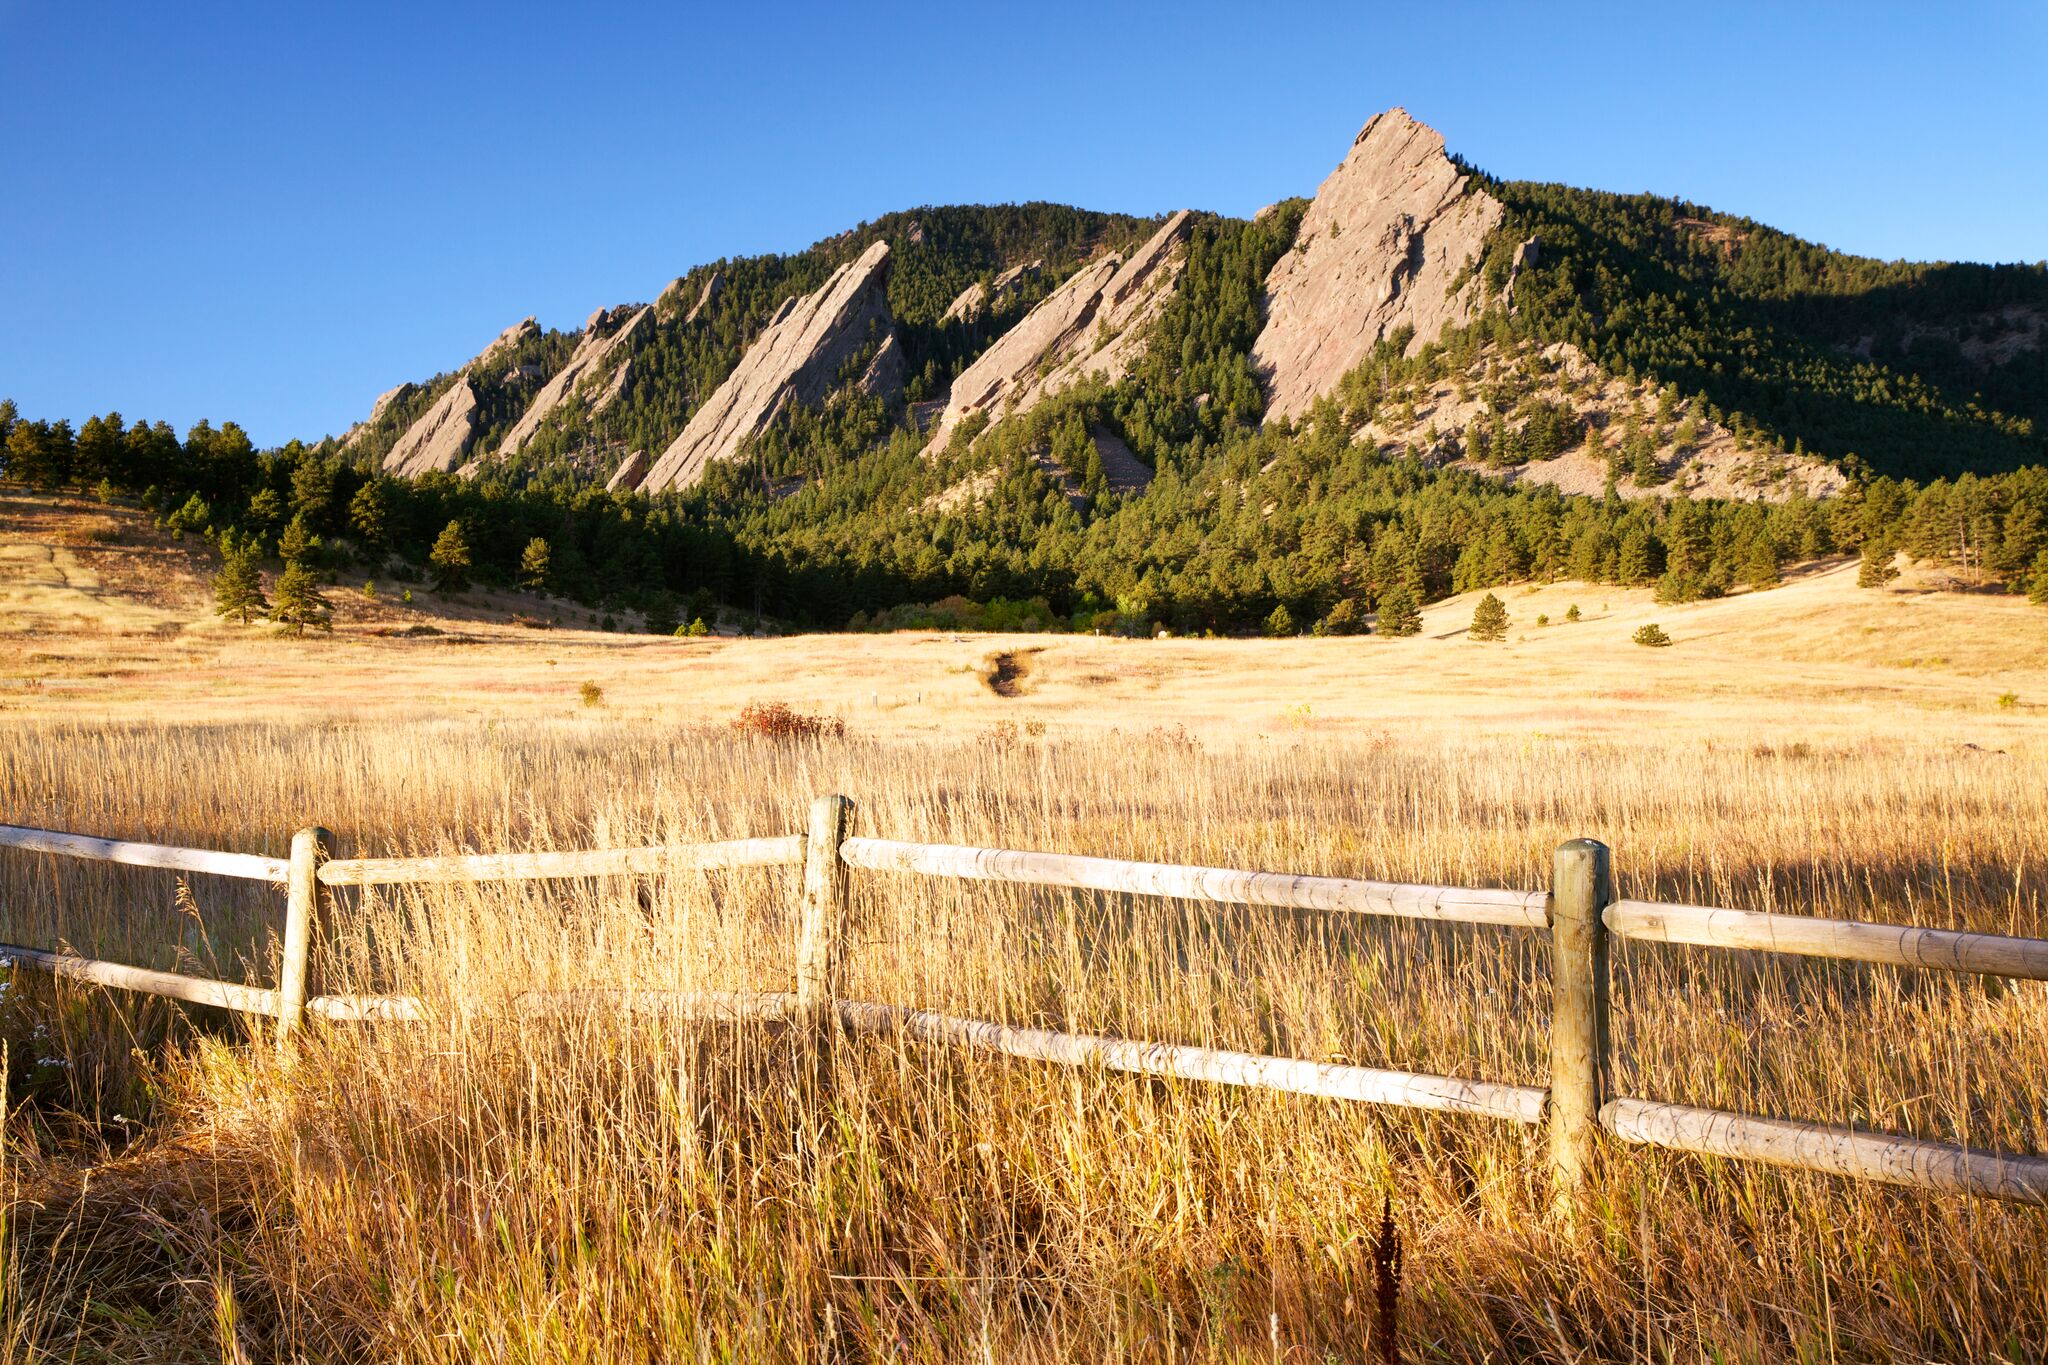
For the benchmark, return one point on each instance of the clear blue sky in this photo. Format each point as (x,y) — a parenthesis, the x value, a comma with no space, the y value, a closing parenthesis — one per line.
(270,212)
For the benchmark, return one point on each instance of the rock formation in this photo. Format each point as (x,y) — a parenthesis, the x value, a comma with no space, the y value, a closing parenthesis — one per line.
(978,298)
(1094,323)
(794,361)
(706,297)
(629,473)
(508,341)
(438,439)
(603,338)
(1388,236)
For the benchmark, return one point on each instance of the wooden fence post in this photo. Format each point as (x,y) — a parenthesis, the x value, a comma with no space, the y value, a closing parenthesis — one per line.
(1579,1041)
(302,904)
(824,909)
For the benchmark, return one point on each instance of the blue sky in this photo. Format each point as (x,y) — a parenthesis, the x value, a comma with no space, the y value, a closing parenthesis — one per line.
(269,213)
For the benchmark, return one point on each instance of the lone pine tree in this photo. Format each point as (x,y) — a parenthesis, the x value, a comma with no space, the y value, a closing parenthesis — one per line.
(1490,620)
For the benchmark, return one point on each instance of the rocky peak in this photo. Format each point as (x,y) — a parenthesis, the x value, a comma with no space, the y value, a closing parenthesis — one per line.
(436,441)
(508,341)
(793,362)
(978,298)
(1389,234)
(1094,323)
(607,334)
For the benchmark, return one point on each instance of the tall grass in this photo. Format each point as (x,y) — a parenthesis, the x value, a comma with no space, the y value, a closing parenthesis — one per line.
(619,1186)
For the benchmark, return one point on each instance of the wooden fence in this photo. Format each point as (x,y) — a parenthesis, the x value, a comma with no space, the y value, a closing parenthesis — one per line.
(1578,912)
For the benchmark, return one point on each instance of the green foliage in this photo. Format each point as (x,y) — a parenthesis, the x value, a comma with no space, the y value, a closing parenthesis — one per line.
(298,543)
(450,558)
(300,603)
(590,694)
(1651,636)
(369,515)
(1837,354)
(1280,623)
(1400,615)
(535,564)
(1876,567)
(238,586)
(1345,618)
(1489,620)
(1572,612)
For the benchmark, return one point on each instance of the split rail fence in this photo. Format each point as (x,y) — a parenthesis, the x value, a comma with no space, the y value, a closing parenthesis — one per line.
(1578,912)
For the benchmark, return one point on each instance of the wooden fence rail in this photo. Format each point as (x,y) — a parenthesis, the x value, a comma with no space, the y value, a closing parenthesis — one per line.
(1578,911)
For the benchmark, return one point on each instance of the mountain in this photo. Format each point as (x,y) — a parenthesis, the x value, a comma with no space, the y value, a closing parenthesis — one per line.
(1423,378)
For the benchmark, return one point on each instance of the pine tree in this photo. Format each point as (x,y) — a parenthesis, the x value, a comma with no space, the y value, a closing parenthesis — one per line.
(299,601)
(1399,614)
(2038,592)
(298,541)
(1876,568)
(312,487)
(533,565)
(368,514)
(266,511)
(238,587)
(1652,636)
(1490,620)
(450,558)
(1760,566)
(1281,623)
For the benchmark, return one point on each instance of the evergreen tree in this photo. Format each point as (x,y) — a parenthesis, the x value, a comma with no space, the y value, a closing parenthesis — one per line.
(312,488)
(238,587)
(450,558)
(299,600)
(1490,620)
(266,512)
(534,565)
(1651,636)
(1399,614)
(1281,623)
(1760,566)
(1876,568)
(2037,592)
(369,515)
(1344,618)
(298,542)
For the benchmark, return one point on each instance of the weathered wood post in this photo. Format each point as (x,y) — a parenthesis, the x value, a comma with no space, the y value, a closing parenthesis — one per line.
(301,913)
(1579,1042)
(824,909)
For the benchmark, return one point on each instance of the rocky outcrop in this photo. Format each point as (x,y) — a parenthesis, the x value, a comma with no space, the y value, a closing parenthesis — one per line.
(793,362)
(705,297)
(377,411)
(1385,245)
(967,305)
(508,341)
(631,470)
(438,439)
(978,298)
(606,334)
(1094,323)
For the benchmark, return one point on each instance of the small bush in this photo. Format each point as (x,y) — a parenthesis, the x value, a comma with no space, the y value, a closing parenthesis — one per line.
(775,720)
(2008,701)
(1542,618)
(1652,636)
(592,694)
(1572,612)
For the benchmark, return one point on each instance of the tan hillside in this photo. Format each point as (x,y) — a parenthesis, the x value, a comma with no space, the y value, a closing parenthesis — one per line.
(1693,454)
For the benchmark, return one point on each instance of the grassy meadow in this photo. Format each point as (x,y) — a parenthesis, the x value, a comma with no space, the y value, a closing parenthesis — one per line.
(616,1186)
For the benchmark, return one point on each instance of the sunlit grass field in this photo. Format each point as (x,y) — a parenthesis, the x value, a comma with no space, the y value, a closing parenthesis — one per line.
(614,1186)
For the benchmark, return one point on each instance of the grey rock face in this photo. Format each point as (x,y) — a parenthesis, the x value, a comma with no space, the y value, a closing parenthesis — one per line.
(1384,245)
(792,362)
(438,439)
(1095,323)
(606,336)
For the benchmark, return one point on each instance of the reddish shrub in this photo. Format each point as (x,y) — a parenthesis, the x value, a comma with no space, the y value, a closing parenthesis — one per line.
(775,720)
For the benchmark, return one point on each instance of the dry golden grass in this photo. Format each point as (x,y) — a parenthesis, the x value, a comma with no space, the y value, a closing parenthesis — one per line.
(619,1188)
(615,1187)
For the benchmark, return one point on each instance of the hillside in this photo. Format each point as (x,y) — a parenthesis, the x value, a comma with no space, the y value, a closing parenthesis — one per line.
(1421,379)
(110,620)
